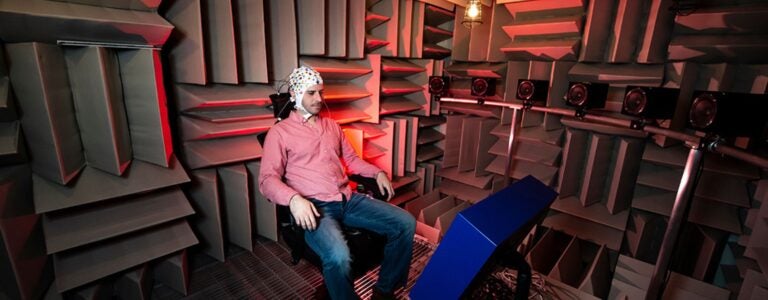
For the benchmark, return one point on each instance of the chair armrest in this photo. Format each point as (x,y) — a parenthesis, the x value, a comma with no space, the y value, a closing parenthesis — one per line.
(369,186)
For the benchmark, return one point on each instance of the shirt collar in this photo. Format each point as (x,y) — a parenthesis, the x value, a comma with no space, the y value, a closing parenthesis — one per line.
(296,116)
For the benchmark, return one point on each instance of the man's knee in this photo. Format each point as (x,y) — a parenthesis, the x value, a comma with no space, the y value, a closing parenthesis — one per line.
(338,257)
(407,224)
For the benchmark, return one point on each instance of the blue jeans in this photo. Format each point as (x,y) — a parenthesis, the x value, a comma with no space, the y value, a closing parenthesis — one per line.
(364,212)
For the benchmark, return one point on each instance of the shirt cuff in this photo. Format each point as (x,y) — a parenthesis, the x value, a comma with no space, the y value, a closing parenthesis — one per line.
(283,196)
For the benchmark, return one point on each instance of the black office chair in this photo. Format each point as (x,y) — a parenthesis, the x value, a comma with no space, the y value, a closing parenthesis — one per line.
(366,247)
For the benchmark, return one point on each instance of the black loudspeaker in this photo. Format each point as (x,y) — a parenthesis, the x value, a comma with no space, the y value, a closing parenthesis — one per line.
(586,95)
(650,102)
(281,105)
(530,90)
(483,87)
(438,85)
(729,114)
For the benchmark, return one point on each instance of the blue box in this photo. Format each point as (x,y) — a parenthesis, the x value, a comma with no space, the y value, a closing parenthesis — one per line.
(476,233)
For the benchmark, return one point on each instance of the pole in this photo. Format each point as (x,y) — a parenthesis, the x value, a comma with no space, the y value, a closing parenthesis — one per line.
(679,215)
(738,153)
(514,130)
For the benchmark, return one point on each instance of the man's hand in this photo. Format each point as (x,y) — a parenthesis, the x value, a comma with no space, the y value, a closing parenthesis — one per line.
(385,185)
(304,212)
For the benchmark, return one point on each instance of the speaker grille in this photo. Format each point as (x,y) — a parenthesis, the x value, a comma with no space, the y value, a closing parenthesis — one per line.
(479,87)
(703,111)
(436,85)
(525,90)
(635,101)
(577,94)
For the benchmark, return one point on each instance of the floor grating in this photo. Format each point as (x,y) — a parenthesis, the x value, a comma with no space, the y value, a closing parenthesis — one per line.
(266,273)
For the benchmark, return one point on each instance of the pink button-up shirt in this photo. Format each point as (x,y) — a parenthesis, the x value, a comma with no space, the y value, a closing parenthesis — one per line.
(300,158)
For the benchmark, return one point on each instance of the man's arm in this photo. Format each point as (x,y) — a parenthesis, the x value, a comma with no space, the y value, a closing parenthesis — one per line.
(273,160)
(357,165)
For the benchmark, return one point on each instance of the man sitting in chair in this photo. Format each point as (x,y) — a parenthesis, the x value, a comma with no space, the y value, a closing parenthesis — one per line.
(303,165)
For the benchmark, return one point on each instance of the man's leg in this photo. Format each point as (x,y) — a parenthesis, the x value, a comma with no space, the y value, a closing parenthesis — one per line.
(328,242)
(391,221)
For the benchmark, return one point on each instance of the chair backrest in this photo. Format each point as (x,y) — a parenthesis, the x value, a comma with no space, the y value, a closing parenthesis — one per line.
(281,108)
(281,103)
(368,185)
(261,136)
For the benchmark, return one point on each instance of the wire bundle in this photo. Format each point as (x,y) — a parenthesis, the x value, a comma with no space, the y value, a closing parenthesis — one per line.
(502,284)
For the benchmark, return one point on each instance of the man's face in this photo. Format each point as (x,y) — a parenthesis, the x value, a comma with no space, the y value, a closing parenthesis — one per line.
(313,99)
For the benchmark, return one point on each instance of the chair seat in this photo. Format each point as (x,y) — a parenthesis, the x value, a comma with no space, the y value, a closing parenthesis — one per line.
(366,247)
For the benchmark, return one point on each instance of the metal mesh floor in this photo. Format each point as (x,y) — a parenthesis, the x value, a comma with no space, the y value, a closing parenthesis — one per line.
(266,273)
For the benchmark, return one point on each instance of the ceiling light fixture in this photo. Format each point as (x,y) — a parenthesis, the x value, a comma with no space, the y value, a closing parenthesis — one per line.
(473,14)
